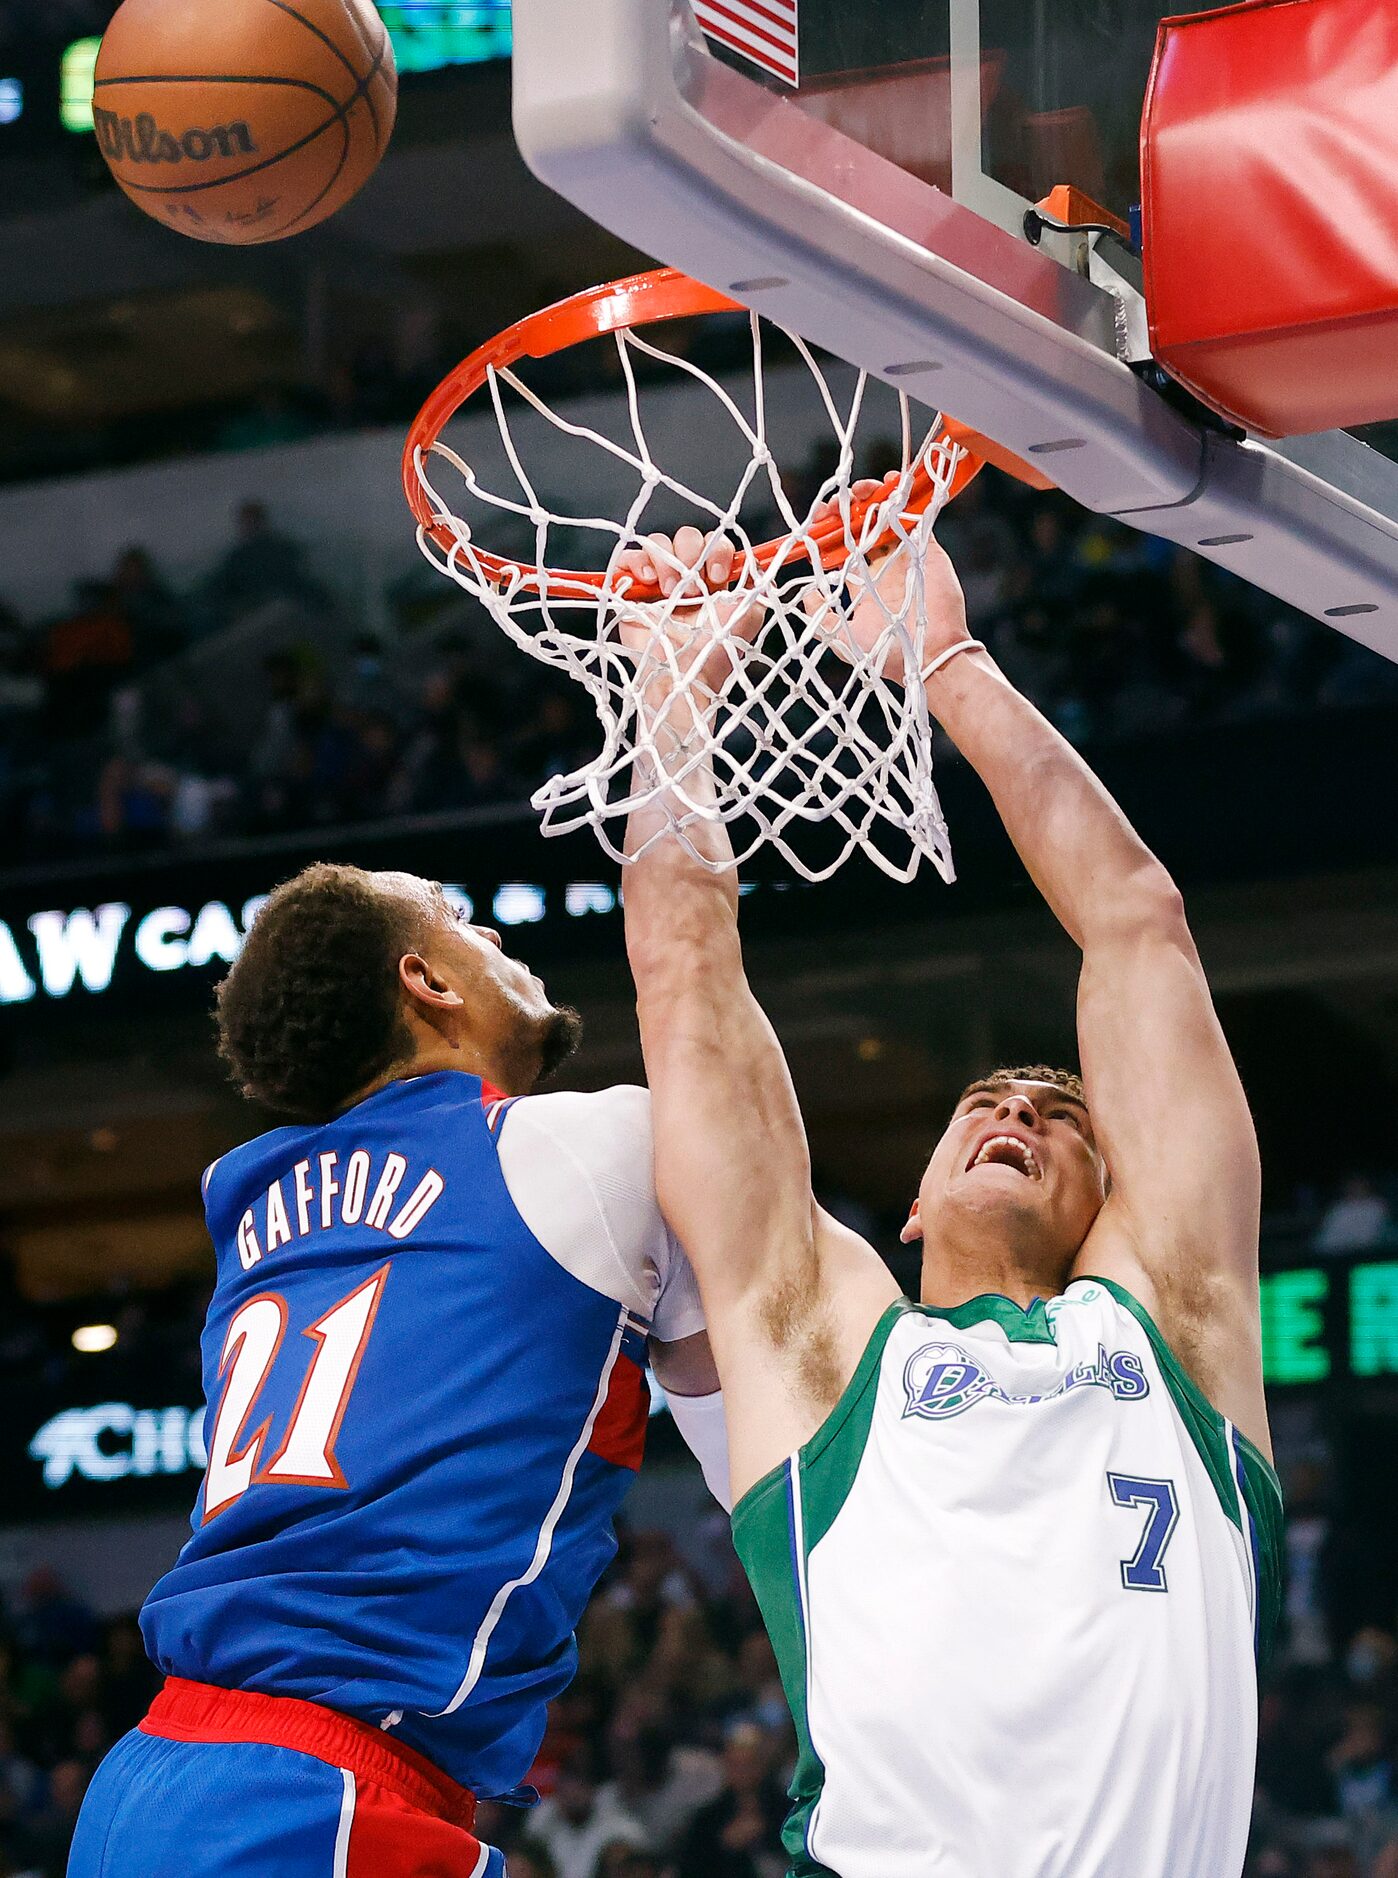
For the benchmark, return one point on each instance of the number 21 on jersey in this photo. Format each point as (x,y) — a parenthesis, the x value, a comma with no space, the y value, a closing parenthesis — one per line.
(306,1456)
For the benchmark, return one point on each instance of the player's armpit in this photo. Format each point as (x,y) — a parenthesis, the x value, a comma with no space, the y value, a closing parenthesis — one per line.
(787,1360)
(1180,1228)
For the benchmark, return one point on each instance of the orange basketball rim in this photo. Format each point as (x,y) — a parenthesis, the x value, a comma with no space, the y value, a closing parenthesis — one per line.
(620,305)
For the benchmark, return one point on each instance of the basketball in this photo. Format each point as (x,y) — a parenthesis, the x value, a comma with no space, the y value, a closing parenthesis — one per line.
(244,120)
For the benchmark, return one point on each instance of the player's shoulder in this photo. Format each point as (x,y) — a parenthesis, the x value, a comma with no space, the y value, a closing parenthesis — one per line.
(578,1169)
(611,1122)
(622,1101)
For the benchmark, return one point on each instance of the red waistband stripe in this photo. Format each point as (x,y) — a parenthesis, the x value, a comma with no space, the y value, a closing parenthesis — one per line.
(197,1711)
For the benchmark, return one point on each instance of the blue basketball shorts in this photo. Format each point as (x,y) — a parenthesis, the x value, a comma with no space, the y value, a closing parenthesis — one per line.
(223,1783)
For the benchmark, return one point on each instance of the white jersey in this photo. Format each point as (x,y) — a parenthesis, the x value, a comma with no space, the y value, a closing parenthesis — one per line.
(1015,1584)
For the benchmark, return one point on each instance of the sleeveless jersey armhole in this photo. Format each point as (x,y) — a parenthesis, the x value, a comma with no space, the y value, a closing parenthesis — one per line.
(1247,1485)
(775,1526)
(857,1395)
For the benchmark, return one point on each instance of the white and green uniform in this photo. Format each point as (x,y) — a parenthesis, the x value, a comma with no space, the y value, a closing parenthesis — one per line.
(1015,1584)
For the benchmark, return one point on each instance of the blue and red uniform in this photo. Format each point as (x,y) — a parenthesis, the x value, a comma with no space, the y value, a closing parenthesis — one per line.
(424,1368)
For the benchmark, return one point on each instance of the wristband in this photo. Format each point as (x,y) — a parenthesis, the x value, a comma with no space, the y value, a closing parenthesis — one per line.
(943,658)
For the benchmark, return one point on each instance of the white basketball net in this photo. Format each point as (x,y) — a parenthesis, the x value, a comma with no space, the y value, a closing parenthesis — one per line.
(810,749)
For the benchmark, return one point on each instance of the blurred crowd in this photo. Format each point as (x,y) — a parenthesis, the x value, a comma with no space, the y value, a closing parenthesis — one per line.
(116,732)
(670,1754)
(70,1684)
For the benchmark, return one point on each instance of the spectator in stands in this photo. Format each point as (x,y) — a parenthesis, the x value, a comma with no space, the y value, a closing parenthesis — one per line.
(620,1859)
(1331,1852)
(551,742)
(84,656)
(21,690)
(1371,1665)
(650,1580)
(1362,1763)
(735,1834)
(1311,1564)
(1053,575)
(659,1785)
(430,775)
(52,1626)
(129,1679)
(156,620)
(759,1682)
(44,1839)
(575,1823)
(264,564)
(1386,1863)
(1356,1220)
(1031,646)
(532,1860)
(133,802)
(21,1783)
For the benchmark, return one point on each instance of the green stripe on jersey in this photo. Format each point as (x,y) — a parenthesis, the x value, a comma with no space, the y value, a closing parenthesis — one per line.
(765,1536)
(1263,1494)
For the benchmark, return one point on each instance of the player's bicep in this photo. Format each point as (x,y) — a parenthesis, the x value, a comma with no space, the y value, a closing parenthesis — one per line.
(1166,1100)
(732,1166)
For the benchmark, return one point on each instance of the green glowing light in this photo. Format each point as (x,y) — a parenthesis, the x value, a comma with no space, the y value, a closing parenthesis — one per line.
(75,84)
(1293,1326)
(430,34)
(1373,1320)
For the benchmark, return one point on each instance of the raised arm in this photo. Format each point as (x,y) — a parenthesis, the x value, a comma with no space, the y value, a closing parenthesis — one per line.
(790,1296)
(1180,1228)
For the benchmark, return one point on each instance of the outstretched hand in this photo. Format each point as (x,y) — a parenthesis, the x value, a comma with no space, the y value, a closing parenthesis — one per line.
(880,598)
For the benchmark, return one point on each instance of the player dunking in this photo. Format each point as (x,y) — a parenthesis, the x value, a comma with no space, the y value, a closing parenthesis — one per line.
(1015,1544)
(423,1360)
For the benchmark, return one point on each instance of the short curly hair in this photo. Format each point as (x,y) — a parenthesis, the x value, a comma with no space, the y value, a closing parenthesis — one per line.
(312,1010)
(1064,1079)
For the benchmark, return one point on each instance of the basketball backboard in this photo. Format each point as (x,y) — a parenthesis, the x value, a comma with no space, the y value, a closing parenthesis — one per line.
(862,175)
(993,101)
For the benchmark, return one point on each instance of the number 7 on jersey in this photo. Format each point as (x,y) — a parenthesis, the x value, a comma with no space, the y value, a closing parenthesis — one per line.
(1144,1571)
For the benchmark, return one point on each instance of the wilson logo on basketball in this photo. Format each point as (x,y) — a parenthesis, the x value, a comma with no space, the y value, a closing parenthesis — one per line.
(141,140)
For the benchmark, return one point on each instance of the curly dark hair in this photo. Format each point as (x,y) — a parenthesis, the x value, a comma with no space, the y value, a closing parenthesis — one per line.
(312,1011)
(1064,1079)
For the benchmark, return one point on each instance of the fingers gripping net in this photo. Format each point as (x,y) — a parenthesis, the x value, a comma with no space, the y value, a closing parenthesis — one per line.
(781,709)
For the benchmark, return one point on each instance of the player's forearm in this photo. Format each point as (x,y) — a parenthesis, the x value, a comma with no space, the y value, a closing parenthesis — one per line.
(1084,856)
(681,915)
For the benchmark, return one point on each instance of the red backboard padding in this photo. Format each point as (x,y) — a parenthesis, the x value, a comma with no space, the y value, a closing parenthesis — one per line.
(1269,160)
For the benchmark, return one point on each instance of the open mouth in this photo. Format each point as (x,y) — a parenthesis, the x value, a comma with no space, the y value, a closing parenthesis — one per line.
(1007,1151)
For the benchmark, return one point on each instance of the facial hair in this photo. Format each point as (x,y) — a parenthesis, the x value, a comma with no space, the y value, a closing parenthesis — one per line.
(557,1040)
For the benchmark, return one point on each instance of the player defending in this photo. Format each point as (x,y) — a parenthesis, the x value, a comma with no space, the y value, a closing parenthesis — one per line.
(1015,1544)
(423,1360)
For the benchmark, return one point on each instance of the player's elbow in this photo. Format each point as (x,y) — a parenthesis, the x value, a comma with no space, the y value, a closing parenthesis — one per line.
(1147,905)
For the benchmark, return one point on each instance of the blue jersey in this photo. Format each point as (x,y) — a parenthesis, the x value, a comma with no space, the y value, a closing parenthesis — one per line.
(420,1425)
